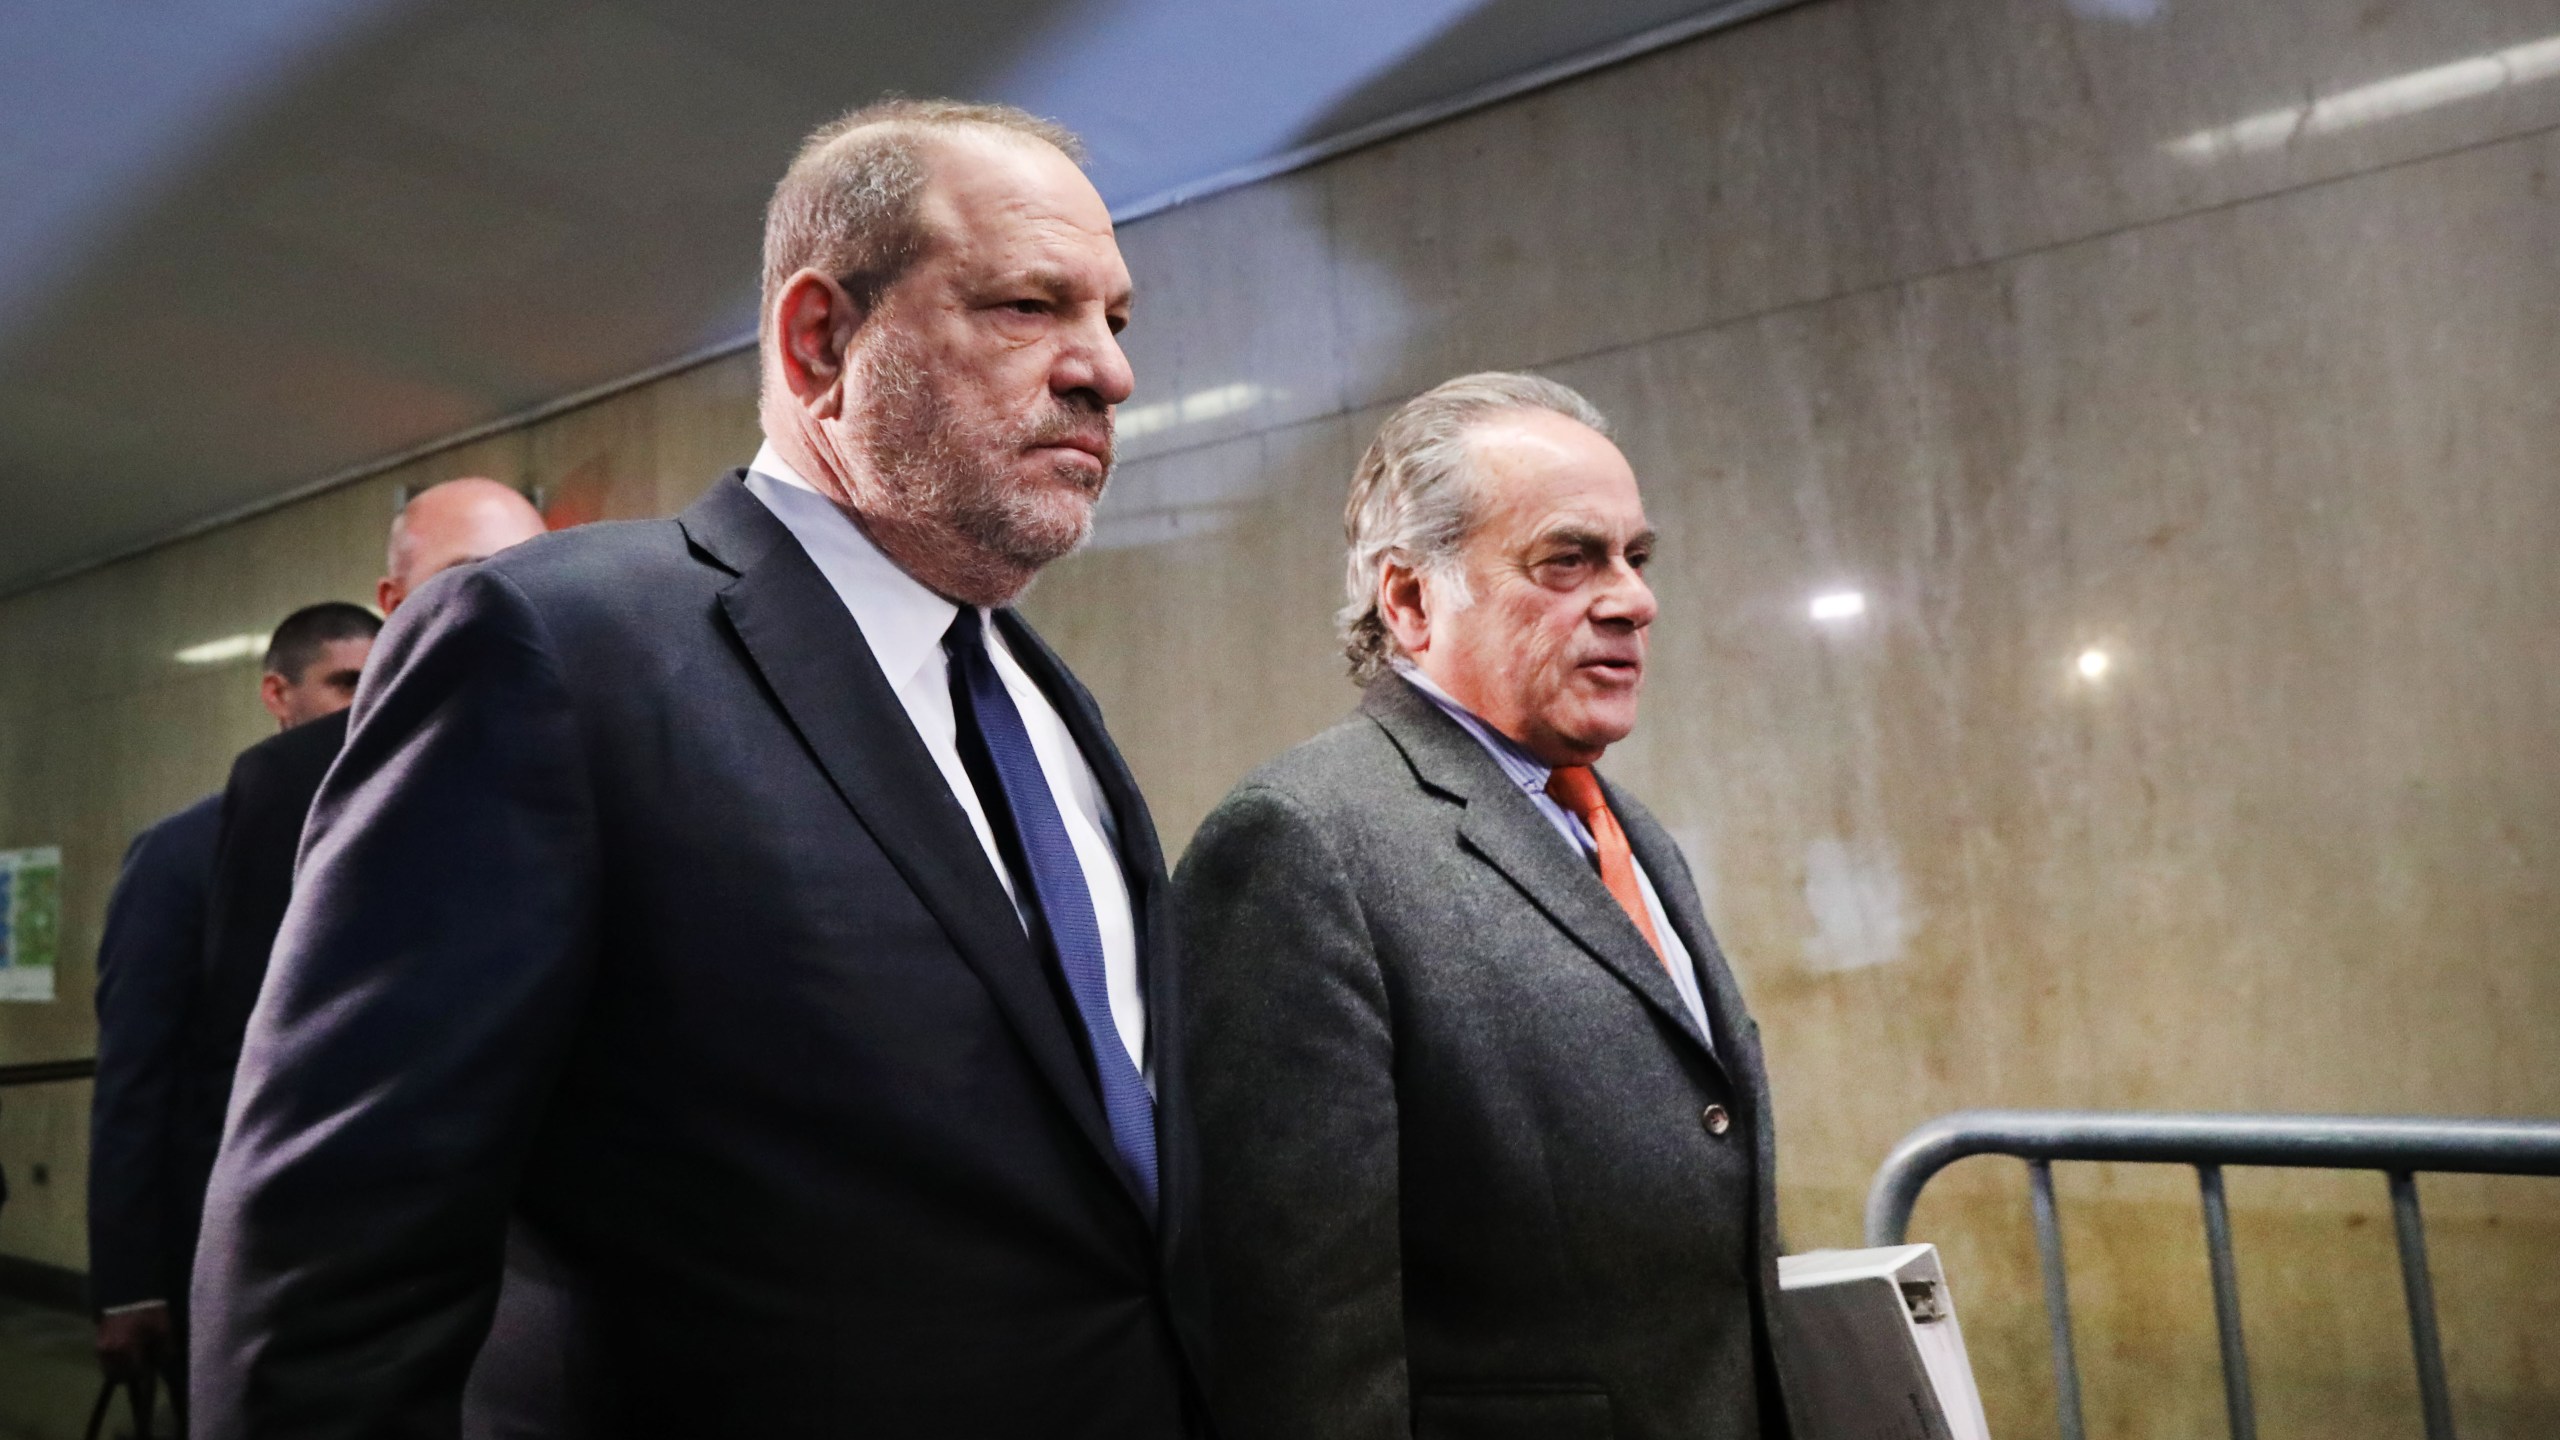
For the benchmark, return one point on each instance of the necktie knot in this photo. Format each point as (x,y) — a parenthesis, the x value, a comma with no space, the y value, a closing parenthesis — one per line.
(1577,789)
(967,632)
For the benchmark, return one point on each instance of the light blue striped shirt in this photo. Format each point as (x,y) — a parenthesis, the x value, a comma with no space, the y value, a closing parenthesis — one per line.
(1530,774)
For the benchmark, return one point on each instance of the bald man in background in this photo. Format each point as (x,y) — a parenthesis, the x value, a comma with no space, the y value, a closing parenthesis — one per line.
(272,784)
(455,523)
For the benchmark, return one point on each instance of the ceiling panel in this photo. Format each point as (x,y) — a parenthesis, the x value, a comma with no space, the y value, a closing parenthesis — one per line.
(255,245)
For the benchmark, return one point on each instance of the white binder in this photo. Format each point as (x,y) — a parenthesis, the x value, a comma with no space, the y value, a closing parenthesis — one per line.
(1872,1348)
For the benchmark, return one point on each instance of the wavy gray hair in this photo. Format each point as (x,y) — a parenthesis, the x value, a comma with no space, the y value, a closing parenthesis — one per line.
(1414,499)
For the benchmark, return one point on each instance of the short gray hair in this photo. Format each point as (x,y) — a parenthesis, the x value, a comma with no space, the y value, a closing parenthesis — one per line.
(849,205)
(1414,498)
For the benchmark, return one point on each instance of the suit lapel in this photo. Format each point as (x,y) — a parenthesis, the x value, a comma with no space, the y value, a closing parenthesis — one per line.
(799,636)
(1737,1048)
(1141,859)
(1142,863)
(1502,825)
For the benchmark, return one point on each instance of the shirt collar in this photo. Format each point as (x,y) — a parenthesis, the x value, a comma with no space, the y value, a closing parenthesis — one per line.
(900,618)
(1523,769)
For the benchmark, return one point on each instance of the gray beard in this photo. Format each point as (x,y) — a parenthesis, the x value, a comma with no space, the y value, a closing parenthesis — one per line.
(941,475)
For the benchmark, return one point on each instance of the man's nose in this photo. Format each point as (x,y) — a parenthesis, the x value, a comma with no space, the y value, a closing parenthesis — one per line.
(1092,362)
(1625,598)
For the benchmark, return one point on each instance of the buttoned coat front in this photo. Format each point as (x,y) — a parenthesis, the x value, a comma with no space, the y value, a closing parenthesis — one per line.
(1469,1167)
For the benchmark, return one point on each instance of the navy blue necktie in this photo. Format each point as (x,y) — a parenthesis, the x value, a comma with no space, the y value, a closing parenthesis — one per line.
(1059,897)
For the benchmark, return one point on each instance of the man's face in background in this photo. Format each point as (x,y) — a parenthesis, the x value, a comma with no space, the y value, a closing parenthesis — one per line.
(324,687)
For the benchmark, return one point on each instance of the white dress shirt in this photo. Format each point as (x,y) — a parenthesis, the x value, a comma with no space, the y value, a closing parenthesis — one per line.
(1526,771)
(904,623)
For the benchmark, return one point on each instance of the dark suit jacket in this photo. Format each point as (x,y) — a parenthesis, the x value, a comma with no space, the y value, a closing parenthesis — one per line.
(1456,1176)
(268,796)
(635,910)
(141,1216)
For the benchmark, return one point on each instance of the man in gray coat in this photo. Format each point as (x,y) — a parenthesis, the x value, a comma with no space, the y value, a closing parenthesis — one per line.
(1484,1129)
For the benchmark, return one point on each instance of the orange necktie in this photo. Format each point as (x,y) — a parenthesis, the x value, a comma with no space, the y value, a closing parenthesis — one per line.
(1576,789)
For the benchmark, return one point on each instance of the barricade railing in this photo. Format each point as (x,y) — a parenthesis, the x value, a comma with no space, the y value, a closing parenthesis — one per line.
(2398,1147)
(46,1072)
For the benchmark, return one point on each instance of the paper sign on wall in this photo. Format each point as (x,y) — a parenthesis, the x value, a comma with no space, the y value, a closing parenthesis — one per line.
(30,921)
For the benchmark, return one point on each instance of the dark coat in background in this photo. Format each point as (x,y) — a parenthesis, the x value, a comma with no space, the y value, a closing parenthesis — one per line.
(636,912)
(141,1209)
(1456,1172)
(264,804)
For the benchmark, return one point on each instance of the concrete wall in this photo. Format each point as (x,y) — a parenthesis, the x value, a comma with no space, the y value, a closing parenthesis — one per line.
(2046,329)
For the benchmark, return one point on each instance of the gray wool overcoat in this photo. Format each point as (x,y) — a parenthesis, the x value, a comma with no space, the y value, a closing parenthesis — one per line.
(1462,1175)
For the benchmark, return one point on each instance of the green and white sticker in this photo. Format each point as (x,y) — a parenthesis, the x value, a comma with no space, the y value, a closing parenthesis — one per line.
(30,921)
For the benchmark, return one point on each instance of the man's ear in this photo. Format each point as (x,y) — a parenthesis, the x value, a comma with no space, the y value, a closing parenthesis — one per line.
(814,320)
(1404,603)
(271,690)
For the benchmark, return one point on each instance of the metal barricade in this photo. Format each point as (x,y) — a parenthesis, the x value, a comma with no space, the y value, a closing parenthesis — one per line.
(2398,1147)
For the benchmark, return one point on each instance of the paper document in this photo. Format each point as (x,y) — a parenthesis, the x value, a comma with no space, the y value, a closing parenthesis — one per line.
(1873,1351)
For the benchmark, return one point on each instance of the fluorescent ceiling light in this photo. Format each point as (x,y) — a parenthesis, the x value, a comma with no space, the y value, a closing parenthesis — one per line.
(224,650)
(2390,99)
(1839,605)
(1136,420)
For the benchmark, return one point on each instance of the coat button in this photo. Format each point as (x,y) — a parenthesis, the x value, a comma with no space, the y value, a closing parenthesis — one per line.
(1718,1119)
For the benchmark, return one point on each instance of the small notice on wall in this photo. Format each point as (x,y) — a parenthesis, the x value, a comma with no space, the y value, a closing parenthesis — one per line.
(30,921)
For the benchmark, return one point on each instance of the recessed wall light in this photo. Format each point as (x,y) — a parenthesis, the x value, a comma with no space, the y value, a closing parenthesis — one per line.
(224,650)
(1133,421)
(2401,95)
(1839,605)
(2094,664)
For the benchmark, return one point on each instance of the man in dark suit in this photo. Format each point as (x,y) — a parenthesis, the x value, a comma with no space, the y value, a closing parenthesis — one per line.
(744,920)
(262,807)
(139,1232)
(1485,1138)
(142,1208)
